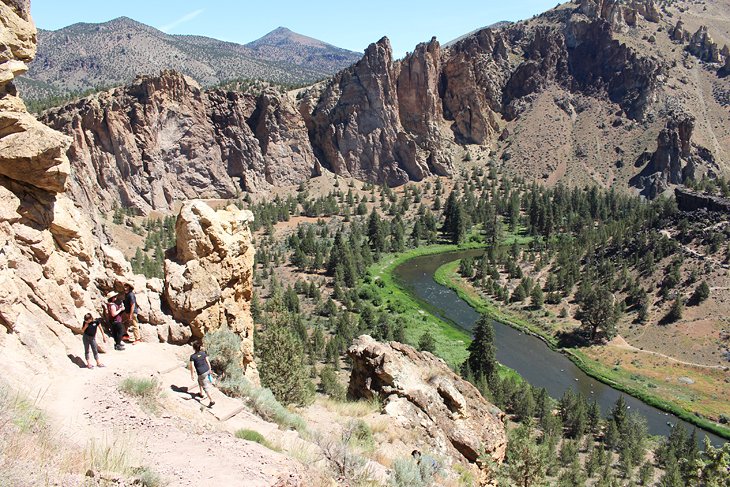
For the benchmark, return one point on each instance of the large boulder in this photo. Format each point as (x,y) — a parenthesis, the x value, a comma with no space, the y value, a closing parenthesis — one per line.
(208,282)
(421,392)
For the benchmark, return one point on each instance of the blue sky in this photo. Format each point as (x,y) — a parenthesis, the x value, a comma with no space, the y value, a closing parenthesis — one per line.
(351,25)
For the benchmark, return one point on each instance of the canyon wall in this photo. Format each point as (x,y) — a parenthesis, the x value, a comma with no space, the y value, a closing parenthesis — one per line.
(54,268)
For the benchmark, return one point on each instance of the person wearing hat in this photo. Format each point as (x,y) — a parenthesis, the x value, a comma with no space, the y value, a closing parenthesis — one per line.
(130,312)
(114,309)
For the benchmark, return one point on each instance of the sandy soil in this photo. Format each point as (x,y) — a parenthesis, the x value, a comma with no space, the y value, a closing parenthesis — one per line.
(184,442)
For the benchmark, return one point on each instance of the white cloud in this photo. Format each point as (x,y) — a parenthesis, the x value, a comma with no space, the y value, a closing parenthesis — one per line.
(182,20)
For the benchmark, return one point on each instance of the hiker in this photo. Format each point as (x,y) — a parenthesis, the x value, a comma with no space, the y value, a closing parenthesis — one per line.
(200,364)
(130,312)
(114,309)
(88,331)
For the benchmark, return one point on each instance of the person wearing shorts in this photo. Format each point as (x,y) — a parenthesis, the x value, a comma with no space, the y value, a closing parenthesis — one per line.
(200,365)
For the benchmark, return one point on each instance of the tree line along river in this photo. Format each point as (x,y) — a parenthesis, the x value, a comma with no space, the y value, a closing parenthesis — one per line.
(526,354)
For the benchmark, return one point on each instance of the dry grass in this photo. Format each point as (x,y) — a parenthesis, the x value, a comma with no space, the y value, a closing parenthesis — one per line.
(351,409)
(33,452)
(146,390)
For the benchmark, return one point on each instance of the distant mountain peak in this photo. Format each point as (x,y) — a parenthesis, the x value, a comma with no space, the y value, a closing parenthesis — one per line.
(83,56)
(284,37)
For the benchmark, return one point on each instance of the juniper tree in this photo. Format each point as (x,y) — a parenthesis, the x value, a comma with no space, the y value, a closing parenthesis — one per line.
(282,366)
(598,312)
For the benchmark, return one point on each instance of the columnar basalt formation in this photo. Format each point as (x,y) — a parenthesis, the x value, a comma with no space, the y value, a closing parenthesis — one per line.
(208,280)
(420,392)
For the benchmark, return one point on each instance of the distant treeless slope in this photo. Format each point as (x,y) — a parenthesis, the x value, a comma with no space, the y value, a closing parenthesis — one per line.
(85,56)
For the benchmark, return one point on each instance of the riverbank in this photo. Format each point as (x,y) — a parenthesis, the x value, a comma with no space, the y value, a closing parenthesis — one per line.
(617,369)
(419,316)
(451,341)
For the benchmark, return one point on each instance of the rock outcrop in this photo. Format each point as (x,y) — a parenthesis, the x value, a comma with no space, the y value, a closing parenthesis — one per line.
(675,159)
(53,268)
(703,47)
(420,391)
(163,139)
(619,13)
(50,264)
(355,125)
(208,280)
(688,200)
(679,33)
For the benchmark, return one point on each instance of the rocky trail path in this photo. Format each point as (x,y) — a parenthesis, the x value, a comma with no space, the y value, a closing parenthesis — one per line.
(183,441)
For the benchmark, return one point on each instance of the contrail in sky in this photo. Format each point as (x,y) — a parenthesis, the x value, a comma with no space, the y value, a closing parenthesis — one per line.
(185,18)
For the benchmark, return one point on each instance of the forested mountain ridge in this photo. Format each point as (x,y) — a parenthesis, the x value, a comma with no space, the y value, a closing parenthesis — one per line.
(88,56)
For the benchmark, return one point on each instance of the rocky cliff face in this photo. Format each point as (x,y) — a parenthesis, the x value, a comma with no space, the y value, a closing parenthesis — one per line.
(53,269)
(49,262)
(208,280)
(675,159)
(163,139)
(582,91)
(422,393)
(689,201)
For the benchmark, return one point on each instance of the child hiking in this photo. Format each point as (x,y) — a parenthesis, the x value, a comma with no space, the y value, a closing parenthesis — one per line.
(88,335)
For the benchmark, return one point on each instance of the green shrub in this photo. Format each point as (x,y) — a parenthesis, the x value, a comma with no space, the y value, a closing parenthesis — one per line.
(255,436)
(427,343)
(146,390)
(360,434)
(330,384)
(140,387)
(147,477)
(263,402)
(409,473)
(224,349)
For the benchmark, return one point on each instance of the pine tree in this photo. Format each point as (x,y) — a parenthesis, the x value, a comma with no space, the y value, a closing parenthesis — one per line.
(676,311)
(527,461)
(482,354)
(597,311)
(537,297)
(376,232)
(702,292)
